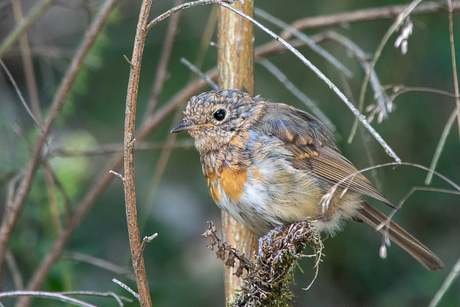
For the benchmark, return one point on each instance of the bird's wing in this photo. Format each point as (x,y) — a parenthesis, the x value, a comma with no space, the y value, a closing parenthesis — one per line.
(314,148)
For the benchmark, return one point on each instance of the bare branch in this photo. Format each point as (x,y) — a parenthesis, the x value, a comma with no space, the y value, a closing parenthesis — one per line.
(118,298)
(21,97)
(147,239)
(385,12)
(453,274)
(180,8)
(118,175)
(441,143)
(454,61)
(50,295)
(98,262)
(124,286)
(27,63)
(128,153)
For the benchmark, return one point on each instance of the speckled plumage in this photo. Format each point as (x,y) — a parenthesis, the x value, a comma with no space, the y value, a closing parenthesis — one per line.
(270,164)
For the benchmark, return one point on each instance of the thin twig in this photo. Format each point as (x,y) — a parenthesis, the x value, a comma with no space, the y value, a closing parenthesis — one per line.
(147,239)
(454,61)
(127,288)
(51,295)
(441,143)
(347,90)
(403,200)
(52,198)
(21,97)
(59,185)
(430,189)
(453,274)
(118,175)
(98,262)
(331,85)
(27,62)
(296,92)
(398,22)
(401,89)
(117,297)
(384,12)
(180,8)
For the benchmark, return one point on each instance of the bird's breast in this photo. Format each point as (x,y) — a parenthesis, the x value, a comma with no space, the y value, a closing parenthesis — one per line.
(267,191)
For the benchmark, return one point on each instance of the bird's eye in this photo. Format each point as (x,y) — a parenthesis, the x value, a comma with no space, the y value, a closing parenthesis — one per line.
(219,115)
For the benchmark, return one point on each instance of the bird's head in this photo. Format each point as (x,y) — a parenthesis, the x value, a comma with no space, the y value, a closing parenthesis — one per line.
(213,118)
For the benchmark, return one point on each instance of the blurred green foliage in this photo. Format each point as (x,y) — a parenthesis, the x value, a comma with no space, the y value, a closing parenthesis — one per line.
(181,270)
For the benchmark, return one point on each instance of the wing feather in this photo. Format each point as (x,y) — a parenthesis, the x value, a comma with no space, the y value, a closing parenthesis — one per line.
(314,148)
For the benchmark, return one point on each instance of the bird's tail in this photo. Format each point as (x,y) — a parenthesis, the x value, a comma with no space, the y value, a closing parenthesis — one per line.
(397,234)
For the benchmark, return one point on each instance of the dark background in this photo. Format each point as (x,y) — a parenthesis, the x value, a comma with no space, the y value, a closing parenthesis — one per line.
(181,270)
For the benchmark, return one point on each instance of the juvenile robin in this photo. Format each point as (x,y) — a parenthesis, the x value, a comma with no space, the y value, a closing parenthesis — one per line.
(270,164)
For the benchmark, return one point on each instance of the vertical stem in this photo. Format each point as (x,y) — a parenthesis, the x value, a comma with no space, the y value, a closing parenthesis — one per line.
(236,71)
(236,48)
(454,61)
(128,153)
(27,62)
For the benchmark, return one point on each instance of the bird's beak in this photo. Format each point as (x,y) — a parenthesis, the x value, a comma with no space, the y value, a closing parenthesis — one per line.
(186,126)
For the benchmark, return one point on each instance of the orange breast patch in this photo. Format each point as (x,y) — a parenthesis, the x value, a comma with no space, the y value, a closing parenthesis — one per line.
(214,191)
(232,182)
(213,186)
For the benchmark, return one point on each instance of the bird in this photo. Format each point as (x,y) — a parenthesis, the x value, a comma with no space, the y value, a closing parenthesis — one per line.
(270,164)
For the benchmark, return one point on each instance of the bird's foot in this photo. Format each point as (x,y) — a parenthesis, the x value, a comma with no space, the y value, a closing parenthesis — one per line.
(269,239)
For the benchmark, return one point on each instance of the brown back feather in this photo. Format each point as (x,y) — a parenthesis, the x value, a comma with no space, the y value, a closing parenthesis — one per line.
(314,149)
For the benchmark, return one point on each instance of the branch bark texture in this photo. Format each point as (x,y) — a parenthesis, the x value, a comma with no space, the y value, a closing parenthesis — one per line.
(236,71)
(128,153)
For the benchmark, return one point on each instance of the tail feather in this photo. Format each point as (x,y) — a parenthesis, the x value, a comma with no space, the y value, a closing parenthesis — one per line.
(397,234)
